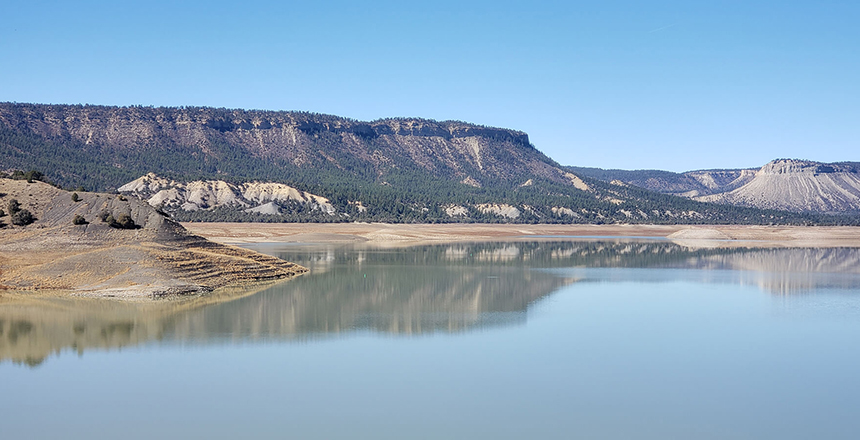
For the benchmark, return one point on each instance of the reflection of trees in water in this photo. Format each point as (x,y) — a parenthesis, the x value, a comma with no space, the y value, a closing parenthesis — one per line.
(29,334)
(388,298)
(544,254)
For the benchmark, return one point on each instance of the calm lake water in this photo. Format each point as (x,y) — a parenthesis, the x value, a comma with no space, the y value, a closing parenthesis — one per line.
(548,340)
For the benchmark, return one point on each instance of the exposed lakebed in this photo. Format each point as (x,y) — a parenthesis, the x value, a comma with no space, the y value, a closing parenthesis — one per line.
(596,339)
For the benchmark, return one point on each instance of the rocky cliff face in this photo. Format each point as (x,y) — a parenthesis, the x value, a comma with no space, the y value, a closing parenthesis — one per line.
(121,135)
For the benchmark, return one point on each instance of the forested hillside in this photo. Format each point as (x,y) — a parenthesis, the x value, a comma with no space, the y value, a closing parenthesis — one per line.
(687,184)
(400,170)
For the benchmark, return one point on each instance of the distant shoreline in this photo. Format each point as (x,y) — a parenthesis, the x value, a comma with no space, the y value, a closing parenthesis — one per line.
(385,234)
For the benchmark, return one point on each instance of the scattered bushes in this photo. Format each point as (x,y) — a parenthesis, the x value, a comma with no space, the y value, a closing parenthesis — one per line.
(19,217)
(79,220)
(75,197)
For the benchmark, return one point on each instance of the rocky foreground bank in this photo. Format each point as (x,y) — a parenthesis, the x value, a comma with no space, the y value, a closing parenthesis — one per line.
(96,244)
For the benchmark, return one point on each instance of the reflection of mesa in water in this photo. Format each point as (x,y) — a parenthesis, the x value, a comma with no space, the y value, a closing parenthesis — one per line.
(387,299)
(447,288)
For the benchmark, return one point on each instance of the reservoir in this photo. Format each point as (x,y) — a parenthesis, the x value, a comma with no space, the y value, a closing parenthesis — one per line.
(599,339)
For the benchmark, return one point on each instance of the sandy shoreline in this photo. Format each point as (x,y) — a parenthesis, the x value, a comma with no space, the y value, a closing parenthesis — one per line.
(384,234)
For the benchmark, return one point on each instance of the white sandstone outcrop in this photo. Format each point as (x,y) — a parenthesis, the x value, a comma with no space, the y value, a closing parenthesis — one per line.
(262,197)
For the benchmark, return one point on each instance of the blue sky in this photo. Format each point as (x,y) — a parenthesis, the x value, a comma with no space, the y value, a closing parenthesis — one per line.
(672,85)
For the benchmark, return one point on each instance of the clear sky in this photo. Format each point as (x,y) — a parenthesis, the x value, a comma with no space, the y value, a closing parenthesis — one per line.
(672,85)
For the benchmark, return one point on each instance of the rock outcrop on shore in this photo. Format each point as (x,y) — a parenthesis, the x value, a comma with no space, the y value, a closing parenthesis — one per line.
(97,244)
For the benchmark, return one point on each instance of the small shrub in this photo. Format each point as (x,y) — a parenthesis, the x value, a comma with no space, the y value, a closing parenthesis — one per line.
(13,206)
(33,175)
(22,218)
(124,221)
(79,220)
(75,197)
(103,216)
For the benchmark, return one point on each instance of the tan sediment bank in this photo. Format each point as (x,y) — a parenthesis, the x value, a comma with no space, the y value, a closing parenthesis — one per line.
(383,234)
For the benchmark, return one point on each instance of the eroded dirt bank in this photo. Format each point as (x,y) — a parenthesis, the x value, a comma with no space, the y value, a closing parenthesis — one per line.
(117,247)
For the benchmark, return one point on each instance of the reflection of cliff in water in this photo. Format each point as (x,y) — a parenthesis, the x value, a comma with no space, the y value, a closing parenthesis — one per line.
(396,299)
(791,270)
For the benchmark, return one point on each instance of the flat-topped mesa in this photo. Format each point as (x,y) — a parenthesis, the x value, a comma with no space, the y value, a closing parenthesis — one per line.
(313,124)
(446,129)
(792,166)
